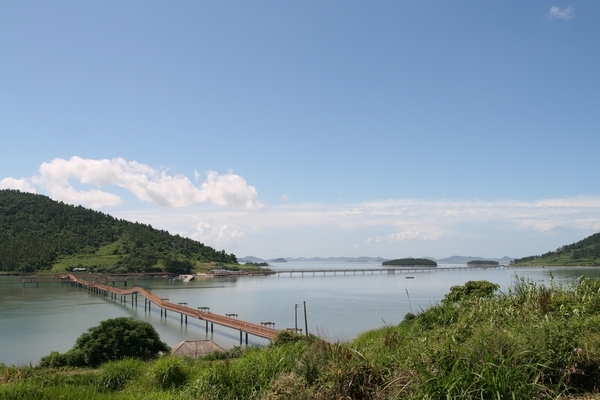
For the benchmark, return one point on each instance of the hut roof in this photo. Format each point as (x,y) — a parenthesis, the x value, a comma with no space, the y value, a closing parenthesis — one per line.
(195,349)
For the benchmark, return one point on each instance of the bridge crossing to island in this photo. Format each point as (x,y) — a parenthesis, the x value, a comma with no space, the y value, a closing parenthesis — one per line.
(263,330)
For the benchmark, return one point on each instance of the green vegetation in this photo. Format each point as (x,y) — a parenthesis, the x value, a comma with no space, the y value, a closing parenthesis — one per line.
(586,252)
(411,262)
(114,339)
(532,342)
(39,234)
(257,264)
(483,262)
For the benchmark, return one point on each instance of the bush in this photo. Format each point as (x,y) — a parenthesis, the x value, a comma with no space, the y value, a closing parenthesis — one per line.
(471,289)
(114,339)
(119,338)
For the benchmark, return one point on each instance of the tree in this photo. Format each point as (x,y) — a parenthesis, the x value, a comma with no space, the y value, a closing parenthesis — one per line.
(113,339)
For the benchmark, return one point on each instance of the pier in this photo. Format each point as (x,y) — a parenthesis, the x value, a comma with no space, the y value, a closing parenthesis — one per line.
(201,313)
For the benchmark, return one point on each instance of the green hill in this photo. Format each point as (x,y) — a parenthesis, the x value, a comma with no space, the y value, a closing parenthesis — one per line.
(586,252)
(37,233)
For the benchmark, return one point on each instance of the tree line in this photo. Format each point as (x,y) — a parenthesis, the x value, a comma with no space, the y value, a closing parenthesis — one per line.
(36,231)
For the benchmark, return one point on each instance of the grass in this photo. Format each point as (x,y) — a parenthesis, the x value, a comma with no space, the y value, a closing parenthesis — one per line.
(532,342)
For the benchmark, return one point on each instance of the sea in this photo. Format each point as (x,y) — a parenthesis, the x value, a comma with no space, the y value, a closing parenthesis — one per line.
(35,320)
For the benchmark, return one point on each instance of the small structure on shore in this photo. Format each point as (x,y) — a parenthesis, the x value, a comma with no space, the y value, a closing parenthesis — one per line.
(195,349)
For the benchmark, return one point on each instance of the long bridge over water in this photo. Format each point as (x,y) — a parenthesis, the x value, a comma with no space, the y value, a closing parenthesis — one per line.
(387,270)
(264,330)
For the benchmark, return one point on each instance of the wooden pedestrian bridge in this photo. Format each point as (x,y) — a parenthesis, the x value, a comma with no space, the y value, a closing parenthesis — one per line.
(263,330)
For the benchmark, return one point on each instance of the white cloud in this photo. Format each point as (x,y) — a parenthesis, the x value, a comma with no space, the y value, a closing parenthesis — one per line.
(206,232)
(228,190)
(557,12)
(388,228)
(285,197)
(144,182)
(17,184)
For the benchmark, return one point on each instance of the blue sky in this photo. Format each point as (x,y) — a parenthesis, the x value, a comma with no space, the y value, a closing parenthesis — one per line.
(312,128)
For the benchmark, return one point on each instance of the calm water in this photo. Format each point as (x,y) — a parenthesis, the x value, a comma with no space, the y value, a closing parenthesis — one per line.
(35,321)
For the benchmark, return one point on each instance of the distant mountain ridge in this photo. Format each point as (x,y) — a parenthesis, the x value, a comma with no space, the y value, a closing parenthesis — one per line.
(448,260)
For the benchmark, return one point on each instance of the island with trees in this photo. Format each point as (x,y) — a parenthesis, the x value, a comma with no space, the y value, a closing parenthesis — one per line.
(482,263)
(410,262)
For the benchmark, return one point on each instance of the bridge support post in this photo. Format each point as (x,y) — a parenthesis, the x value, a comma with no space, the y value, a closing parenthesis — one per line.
(186,319)
(161,312)
(181,319)
(246,338)
(211,327)
(240,337)
(206,326)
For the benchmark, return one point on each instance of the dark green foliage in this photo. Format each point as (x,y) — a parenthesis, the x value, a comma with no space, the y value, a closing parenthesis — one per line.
(72,358)
(178,267)
(119,338)
(471,289)
(35,232)
(585,252)
(114,339)
(411,262)
(483,262)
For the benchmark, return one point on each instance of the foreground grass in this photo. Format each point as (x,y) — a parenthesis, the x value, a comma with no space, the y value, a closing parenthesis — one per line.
(534,342)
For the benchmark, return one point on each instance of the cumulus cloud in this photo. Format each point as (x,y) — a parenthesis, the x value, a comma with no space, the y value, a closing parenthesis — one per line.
(17,184)
(224,234)
(561,13)
(146,183)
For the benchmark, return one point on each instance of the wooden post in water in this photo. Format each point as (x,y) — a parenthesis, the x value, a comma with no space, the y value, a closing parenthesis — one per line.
(305,320)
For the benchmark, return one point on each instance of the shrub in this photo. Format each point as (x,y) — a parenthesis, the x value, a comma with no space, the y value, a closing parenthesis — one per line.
(471,289)
(119,338)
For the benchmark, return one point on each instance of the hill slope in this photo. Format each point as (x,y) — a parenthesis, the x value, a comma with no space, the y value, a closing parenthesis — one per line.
(586,252)
(37,233)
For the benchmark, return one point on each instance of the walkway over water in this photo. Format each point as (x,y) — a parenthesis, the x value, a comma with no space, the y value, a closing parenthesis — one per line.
(388,270)
(260,330)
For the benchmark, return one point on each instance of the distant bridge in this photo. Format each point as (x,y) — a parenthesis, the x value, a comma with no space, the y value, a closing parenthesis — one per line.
(388,270)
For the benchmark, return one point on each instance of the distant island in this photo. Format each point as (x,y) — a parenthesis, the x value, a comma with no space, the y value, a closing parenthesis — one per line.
(482,262)
(279,260)
(412,262)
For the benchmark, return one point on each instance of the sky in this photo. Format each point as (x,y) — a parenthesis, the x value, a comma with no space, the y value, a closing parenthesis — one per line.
(312,129)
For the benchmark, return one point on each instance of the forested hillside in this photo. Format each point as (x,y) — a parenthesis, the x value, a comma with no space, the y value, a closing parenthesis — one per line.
(586,252)
(37,233)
